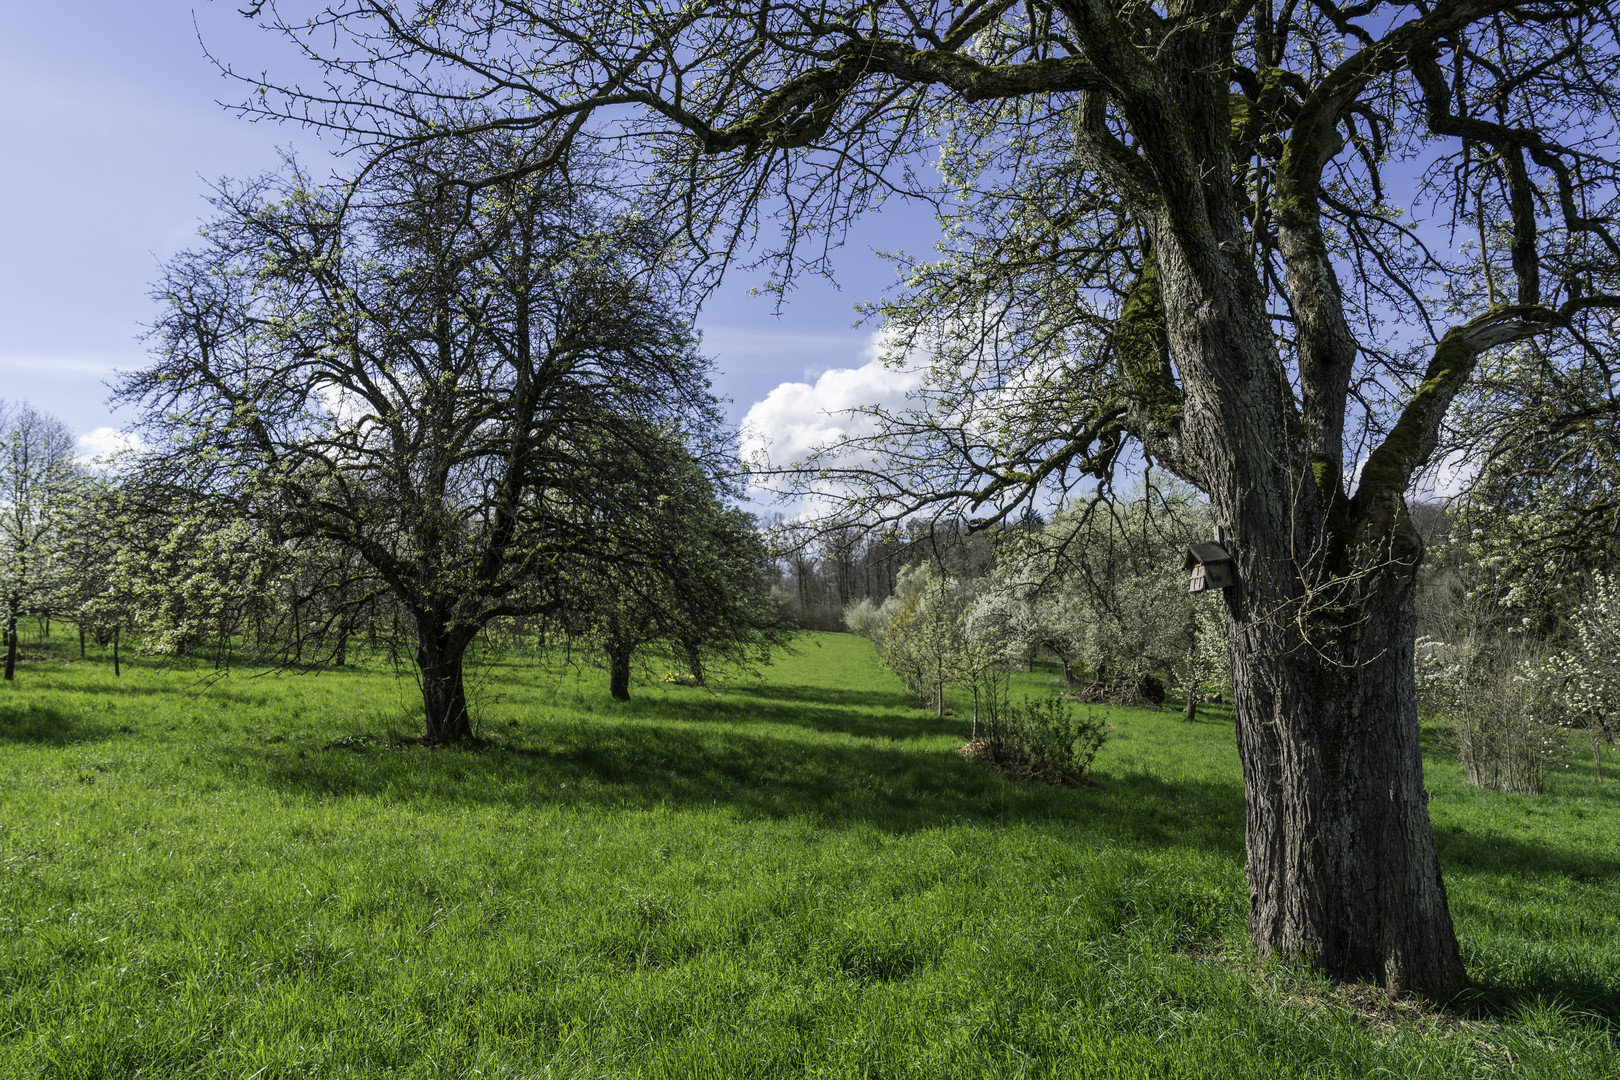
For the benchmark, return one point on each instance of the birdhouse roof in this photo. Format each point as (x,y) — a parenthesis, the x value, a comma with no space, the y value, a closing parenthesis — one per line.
(1204,554)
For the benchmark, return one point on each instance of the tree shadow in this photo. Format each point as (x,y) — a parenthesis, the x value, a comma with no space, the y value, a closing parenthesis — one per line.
(124,689)
(41,725)
(863,714)
(892,787)
(1482,852)
(1543,990)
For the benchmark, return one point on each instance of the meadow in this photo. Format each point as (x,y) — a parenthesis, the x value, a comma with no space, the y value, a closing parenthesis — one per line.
(794,874)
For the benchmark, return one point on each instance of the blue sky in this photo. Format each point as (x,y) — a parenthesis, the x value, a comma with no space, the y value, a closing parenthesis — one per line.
(109,118)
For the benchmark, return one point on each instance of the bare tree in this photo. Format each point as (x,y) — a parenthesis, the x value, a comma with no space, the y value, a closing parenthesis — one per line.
(1177,225)
(422,379)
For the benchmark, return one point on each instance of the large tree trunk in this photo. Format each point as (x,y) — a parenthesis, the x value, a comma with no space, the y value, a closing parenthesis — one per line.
(1342,868)
(439,657)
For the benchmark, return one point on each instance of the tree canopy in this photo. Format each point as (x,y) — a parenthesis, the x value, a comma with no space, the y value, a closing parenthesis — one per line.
(424,379)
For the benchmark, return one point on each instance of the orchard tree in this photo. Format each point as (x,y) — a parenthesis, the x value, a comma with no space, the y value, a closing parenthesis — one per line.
(1265,243)
(111,534)
(37,476)
(685,569)
(1587,674)
(1540,512)
(422,376)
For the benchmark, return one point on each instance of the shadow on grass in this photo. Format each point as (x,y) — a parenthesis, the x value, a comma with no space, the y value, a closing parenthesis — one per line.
(629,766)
(1548,990)
(45,726)
(123,688)
(865,714)
(1491,852)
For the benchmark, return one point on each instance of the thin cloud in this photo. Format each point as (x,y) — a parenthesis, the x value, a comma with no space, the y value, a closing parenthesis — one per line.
(99,448)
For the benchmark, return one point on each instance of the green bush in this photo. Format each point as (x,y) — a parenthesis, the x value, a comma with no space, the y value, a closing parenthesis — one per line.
(1049,732)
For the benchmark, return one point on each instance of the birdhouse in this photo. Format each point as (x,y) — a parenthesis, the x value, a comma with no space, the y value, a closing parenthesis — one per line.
(1211,567)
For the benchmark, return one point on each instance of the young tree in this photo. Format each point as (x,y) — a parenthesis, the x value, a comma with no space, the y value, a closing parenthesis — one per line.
(37,474)
(1177,224)
(423,378)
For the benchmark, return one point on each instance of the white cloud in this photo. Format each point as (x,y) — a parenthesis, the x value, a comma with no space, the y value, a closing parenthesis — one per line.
(797,418)
(1447,478)
(95,449)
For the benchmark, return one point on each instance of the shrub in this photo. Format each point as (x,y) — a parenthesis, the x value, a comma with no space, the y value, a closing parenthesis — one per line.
(865,619)
(1496,706)
(1048,732)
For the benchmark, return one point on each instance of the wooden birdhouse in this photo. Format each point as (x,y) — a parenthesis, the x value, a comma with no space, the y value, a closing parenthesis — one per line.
(1211,567)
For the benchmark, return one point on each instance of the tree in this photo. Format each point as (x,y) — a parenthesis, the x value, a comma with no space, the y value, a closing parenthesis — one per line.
(696,578)
(37,473)
(1586,677)
(1176,225)
(422,378)
(1541,511)
(1102,582)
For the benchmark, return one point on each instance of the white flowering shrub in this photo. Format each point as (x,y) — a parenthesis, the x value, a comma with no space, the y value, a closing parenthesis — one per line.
(1501,706)
(1588,672)
(865,619)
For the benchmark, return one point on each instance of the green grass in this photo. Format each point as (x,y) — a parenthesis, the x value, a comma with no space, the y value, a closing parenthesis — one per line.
(792,876)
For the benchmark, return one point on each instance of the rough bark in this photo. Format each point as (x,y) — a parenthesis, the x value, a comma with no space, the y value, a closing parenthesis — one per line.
(1341,863)
(439,658)
(1342,868)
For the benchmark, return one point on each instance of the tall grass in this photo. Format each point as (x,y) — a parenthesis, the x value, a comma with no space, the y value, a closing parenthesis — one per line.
(789,876)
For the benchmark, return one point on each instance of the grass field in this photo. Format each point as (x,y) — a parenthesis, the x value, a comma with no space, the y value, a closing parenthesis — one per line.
(795,875)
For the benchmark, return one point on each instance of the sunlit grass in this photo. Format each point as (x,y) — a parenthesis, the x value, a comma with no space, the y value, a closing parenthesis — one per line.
(795,875)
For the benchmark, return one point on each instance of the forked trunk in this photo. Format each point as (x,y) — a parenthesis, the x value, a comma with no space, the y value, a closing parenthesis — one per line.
(1341,862)
(439,660)
(1341,868)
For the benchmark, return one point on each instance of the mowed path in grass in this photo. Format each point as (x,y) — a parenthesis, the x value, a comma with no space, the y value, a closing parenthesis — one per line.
(794,875)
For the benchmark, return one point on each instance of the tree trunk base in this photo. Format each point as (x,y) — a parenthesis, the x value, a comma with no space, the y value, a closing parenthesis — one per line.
(444,697)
